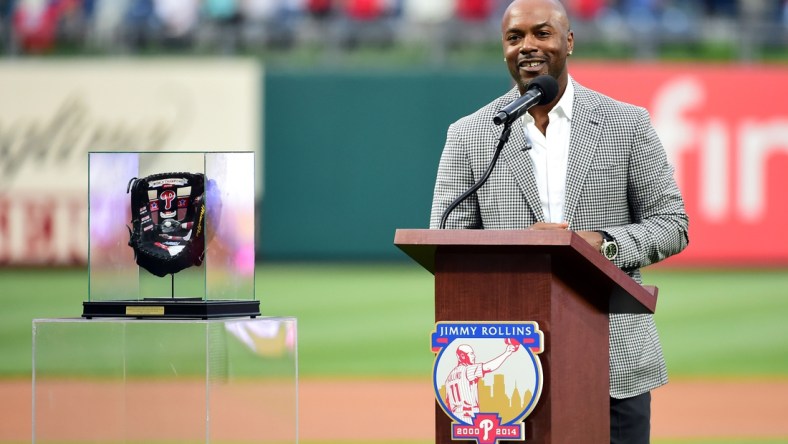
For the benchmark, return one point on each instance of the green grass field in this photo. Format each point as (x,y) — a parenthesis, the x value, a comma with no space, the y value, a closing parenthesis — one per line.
(713,324)
(374,320)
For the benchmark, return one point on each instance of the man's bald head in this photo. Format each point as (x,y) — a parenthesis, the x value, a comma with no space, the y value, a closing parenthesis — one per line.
(558,8)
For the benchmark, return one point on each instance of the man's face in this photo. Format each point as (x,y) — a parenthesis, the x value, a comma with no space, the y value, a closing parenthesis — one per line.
(536,41)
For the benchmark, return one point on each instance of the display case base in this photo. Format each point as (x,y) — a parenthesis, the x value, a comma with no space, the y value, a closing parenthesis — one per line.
(169,308)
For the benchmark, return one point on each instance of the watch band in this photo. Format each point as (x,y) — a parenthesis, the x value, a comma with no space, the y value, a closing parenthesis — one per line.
(606,236)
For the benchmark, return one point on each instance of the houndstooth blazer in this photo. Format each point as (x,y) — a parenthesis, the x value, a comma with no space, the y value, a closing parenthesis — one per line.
(618,180)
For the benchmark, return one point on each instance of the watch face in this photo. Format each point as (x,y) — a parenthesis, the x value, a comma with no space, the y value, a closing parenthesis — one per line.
(610,249)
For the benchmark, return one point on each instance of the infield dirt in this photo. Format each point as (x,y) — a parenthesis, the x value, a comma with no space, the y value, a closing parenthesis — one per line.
(404,410)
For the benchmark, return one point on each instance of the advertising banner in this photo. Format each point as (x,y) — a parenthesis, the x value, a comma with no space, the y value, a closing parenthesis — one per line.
(725,129)
(52,113)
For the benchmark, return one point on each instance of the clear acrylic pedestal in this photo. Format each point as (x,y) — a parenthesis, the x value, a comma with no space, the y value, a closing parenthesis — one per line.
(125,380)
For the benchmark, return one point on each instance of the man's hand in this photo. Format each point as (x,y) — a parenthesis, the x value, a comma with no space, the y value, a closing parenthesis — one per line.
(549,226)
(593,238)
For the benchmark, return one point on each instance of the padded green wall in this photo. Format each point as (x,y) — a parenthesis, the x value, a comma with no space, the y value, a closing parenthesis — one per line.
(350,157)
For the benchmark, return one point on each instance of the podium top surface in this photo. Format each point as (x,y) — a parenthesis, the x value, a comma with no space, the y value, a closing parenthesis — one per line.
(628,296)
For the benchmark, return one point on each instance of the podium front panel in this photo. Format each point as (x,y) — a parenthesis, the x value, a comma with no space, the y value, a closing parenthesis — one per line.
(503,284)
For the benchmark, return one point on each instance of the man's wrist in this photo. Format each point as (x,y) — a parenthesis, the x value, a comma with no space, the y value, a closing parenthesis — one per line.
(609,247)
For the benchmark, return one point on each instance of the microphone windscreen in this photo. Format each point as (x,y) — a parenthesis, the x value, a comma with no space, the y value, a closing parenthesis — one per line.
(549,88)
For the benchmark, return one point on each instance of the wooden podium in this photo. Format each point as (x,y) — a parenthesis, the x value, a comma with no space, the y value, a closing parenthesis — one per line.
(554,278)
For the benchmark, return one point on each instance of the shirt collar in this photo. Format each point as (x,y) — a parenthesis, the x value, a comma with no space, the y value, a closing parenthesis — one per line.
(564,106)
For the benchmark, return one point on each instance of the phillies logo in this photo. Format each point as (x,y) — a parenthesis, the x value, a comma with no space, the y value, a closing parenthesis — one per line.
(487,429)
(168,197)
(487,377)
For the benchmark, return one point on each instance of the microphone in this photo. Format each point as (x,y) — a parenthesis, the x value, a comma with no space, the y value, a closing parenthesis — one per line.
(541,90)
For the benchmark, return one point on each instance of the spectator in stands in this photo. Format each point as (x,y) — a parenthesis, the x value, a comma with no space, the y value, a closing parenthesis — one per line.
(76,17)
(108,23)
(270,22)
(427,21)
(472,23)
(319,8)
(784,14)
(366,22)
(35,24)
(474,10)
(432,12)
(179,21)
(6,36)
(586,10)
(140,24)
(727,8)
(365,10)
(224,22)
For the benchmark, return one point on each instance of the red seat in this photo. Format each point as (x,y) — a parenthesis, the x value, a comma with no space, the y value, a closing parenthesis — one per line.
(36,30)
(474,10)
(364,9)
(318,8)
(586,9)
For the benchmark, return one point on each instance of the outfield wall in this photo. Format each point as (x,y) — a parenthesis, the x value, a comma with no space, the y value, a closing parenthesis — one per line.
(350,157)
(354,156)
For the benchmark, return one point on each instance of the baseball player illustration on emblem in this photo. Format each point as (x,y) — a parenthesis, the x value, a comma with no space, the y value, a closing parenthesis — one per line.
(462,389)
(487,377)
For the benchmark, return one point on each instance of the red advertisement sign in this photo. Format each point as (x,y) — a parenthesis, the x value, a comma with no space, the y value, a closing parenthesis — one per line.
(725,127)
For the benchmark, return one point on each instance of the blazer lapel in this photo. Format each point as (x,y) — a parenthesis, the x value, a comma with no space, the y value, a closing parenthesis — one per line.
(520,164)
(586,129)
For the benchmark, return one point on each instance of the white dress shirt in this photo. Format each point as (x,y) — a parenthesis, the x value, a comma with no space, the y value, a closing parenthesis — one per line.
(550,153)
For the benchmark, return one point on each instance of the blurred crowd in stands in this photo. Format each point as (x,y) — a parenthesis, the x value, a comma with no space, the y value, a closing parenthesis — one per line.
(235,26)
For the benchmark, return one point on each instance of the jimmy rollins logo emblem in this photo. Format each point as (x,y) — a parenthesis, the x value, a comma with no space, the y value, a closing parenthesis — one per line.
(487,377)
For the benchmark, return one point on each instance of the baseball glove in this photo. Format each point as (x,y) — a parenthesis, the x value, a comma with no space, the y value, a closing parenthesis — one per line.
(167,221)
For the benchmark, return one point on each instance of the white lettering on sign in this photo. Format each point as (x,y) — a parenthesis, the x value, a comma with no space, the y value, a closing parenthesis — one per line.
(758,141)
(724,191)
(43,230)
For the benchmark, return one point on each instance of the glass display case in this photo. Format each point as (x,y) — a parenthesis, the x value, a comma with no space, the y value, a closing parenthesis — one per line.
(172,215)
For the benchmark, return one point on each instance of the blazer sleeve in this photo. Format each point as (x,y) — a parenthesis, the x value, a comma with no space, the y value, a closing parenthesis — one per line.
(660,224)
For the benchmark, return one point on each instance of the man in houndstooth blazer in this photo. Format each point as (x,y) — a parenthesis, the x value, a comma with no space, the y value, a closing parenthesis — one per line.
(618,183)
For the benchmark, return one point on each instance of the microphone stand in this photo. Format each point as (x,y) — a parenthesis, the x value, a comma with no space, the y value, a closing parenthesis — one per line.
(507,129)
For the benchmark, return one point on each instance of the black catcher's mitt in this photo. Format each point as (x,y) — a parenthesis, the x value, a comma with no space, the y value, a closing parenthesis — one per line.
(167,221)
